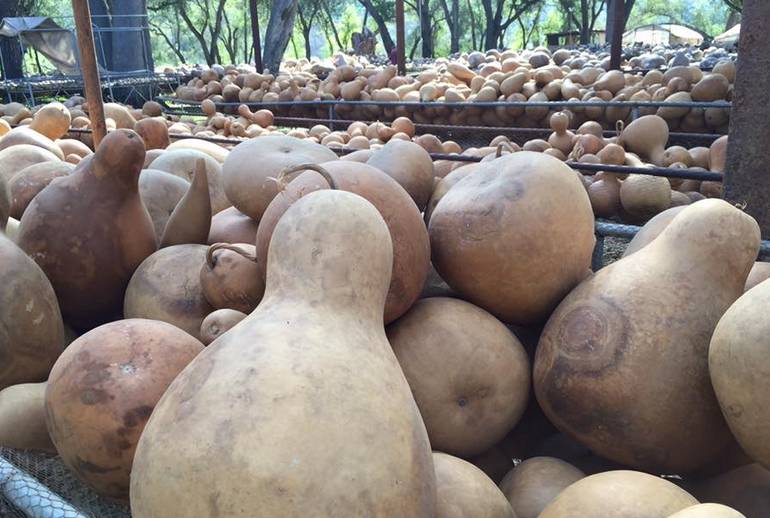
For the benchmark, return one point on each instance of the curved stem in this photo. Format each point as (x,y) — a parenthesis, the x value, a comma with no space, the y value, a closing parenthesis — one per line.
(227,246)
(283,175)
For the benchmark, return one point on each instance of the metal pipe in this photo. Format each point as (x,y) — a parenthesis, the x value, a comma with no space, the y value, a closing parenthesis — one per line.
(30,496)
(618,21)
(400,37)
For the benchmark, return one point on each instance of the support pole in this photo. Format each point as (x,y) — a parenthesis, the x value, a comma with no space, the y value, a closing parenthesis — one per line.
(89,69)
(400,38)
(255,36)
(618,12)
(747,177)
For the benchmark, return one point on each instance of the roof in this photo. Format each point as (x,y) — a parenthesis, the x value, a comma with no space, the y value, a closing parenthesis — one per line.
(677,31)
(12,27)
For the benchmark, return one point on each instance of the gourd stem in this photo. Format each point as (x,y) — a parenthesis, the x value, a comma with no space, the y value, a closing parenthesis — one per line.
(283,175)
(227,246)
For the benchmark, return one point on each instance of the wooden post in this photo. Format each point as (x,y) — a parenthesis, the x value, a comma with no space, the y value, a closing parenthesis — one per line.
(90,69)
(747,177)
(255,35)
(400,38)
(618,13)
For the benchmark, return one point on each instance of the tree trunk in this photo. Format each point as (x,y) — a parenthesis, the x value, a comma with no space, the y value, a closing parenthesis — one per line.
(585,29)
(131,49)
(308,50)
(473,25)
(426,31)
(454,37)
(9,47)
(747,178)
(387,41)
(340,45)
(102,40)
(279,28)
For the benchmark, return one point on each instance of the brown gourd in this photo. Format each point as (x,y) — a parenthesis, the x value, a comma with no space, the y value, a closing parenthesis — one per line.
(408,164)
(89,231)
(190,222)
(25,136)
(315,342)
(738,364)
(218,323)
(27,183)
(18,157)
(5,203)
(493,215)
(161,193)
(167,287)
(52,120)
(247,181)
(535,482)
(232,226)
(230,278)
(630,494)
(22,418)
(626,351)
(103,389)
(31,328)
(464,490)
(411,251)
(181,163)
(468,406)
(651,230)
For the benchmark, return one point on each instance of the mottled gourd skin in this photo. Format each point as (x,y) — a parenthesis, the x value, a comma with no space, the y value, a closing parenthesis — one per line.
(101,393)
(300,409)
(622,364)
(89,231)
(31,328)
(515,236)
(739,364)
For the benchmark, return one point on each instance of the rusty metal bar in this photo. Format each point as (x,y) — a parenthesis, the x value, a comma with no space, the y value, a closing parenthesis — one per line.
(93,89)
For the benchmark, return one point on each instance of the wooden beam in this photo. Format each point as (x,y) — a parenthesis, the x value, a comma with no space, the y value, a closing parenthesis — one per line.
(747,176)
(255,35)
(89,68)
(400,38)
(617,11)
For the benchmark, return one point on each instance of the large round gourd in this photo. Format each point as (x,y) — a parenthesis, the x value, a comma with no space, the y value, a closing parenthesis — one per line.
(408,164)
(232,226)
(708,511)
(167,287)
(622,364)
(31,328)
(469,374)
(89,231)
(301,409)
(515,236)
(249,167)
(411,248)
(621,494)
(464,491)
(181,163)
(103,389)
(739,363)
(535,482)
(22,418)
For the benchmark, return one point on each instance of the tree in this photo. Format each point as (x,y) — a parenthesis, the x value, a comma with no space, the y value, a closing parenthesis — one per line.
(306,13)
(735,5)
(9,47)
(452,17)
(610,27)
(589,11)
(279,30)
(497,22)
(381,10)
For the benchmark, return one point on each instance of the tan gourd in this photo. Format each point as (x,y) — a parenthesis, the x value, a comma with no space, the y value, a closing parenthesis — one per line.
(167,287)
(22,418)
(320,323)
(410,165)
(411,252)
(738,363)
(247,181)
(561,138)
(644,195)
(120,114)
(443,186)
(231,278)
(18,157)
(191,220)
(604,194)
(215,151)
(89,231)
(218,323)
(759,272)
(535,482)
(28,182)
(467,406)
(161,193)
(232,226)
(52,120)
(25,136)
(626,353)
(630,494)
(647,137)
(102,391)
(651,230)
(154,132)
(464,490)
(31,329)
(490,216)
(181,163)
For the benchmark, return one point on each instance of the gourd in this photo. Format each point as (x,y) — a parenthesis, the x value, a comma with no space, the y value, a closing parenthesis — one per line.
(410,165)
(28,182)
(89,231)
(626,351)
(535,482)
(315,344)
(52,120)
(190,222)
(218,323)
(22,418)
(232,226)
(181,163)
(230,278)
(464,490)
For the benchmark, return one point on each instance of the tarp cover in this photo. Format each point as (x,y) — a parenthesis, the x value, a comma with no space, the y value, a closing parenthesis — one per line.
(662,34)
(48,38)
(729,37)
